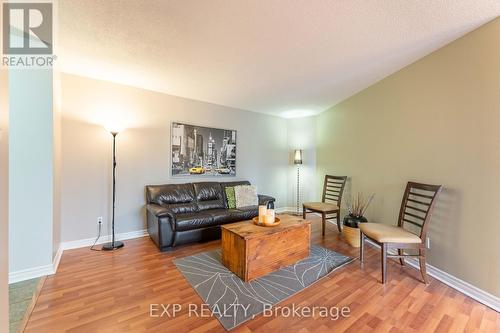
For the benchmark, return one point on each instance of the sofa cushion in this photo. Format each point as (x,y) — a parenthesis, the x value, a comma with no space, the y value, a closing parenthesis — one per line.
(170,194)
(236,183)
(248,213)
(190,221)
(209,195)
(231,184)
(230,197)
(246,195)
(182,208)
(222,216)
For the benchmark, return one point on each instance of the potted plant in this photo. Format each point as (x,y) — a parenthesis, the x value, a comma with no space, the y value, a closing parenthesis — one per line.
(356,208)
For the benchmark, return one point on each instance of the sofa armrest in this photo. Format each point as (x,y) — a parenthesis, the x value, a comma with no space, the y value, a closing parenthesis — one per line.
(161,225)
(266,200)
(160,211)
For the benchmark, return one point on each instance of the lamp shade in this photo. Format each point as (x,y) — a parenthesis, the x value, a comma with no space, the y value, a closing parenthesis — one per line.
(297,156)
(114,128)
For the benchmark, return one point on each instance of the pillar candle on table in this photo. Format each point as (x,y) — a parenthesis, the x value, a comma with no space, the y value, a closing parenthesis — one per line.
(270,217)
(262,213)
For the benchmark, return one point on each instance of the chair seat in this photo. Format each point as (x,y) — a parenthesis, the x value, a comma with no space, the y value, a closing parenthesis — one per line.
(321,206)
(383,233)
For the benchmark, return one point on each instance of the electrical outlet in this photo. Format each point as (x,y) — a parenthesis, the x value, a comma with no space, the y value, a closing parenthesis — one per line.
(99,220)
(428,241)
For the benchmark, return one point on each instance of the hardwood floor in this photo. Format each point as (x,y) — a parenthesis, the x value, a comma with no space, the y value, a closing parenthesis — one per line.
(112,292)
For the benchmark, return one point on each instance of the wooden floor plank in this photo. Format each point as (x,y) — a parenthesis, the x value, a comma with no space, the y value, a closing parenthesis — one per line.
(112,292)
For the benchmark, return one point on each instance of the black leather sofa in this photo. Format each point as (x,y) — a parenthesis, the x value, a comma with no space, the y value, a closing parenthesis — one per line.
(184,213)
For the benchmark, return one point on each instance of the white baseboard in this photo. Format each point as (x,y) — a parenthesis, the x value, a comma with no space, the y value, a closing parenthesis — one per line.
(39,271)
(287,210)
(57,258)
(31,273)
(294,210)
(104,239)
(466,288)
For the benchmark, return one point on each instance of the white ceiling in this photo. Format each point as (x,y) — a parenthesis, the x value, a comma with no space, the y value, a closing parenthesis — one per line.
(288,58)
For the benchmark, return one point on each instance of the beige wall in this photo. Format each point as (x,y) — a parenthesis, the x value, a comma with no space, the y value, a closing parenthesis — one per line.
(143,150)
(4,201)
(436,121)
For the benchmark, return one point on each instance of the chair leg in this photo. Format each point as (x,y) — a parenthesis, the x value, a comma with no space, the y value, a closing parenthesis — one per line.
(338,222)
(401,260)
(423,269)
(384,262)
(303,212)
(323,222)
(361,247)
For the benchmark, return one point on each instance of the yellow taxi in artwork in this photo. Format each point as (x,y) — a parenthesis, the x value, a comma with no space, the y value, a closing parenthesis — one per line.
(223,171)
(197,170)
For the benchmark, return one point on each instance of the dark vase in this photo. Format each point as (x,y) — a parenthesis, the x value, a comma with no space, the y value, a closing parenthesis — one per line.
(352,221)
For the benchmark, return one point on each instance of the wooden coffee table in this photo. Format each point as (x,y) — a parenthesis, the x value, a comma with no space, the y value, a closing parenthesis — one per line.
(251,251)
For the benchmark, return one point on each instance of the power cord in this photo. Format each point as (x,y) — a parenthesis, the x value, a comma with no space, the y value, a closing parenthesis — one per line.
(98,236)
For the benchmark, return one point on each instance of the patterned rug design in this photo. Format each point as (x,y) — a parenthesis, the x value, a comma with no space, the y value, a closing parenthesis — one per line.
(233,301)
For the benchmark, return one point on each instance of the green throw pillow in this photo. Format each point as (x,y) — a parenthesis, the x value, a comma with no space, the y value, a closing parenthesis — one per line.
(231,198)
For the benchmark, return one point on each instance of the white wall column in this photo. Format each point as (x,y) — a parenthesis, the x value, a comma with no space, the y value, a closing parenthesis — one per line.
(31,169)
(4,201)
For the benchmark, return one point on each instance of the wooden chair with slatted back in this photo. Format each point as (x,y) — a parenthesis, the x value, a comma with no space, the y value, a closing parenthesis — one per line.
(333,188)
(416,209)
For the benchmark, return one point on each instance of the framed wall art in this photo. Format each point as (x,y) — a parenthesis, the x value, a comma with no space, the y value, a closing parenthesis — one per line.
(202,151)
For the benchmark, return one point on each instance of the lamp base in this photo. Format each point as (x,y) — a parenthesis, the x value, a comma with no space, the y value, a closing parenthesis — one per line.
(112,246)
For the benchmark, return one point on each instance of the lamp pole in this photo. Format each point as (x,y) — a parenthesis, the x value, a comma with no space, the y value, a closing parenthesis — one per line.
(114,244)
(298,190)
(297,160)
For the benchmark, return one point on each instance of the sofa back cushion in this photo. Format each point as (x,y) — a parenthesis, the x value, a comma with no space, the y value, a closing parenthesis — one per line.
(208,195)
(231,184)
(230,197)
(246,196)
(180,198)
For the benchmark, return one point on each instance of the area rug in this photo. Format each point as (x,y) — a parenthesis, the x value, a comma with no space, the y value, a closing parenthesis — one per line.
(233,301)
(22,299)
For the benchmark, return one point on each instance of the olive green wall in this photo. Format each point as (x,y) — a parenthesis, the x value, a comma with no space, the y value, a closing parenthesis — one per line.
(436,121)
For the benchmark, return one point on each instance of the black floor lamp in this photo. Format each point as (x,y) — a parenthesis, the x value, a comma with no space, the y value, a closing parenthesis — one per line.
(297,160)
(114,244)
